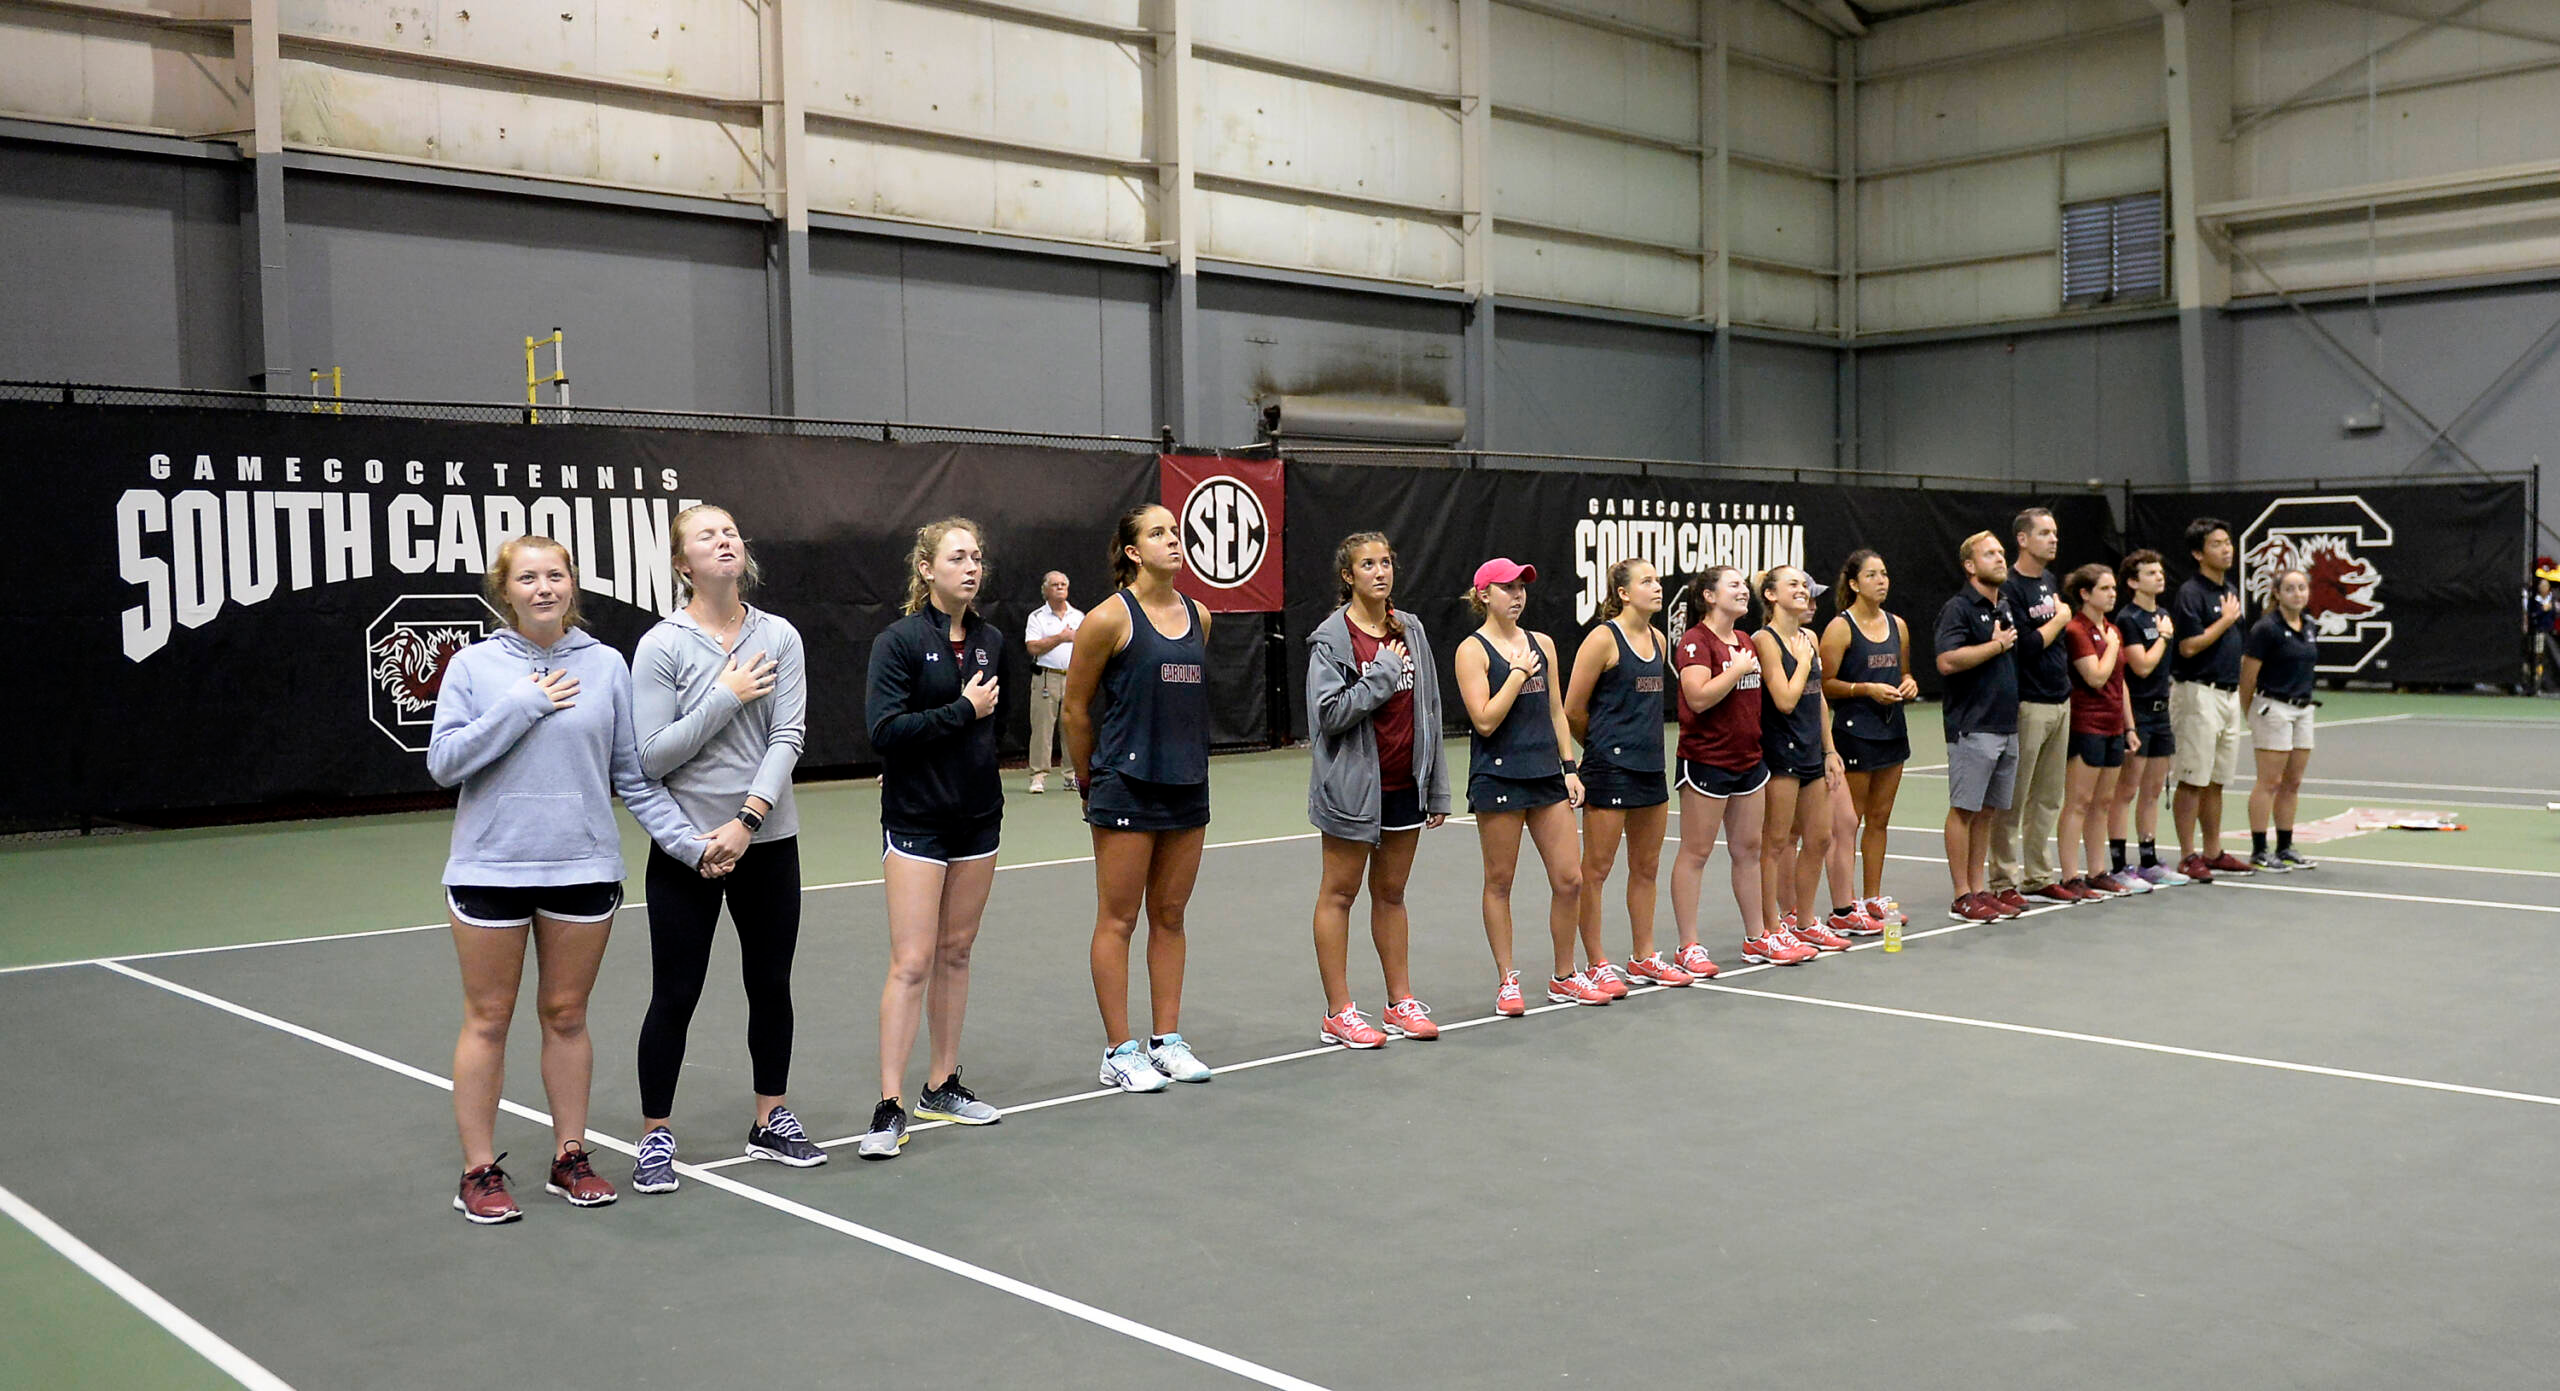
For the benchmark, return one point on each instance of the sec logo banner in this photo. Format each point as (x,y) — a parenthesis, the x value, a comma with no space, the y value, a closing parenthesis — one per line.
(1229,515)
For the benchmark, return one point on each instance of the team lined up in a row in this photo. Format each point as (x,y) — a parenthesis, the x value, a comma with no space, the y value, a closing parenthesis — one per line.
(708,734)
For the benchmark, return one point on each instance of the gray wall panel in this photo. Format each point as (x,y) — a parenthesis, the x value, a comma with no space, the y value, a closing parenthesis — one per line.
(119,268)
(1260,338)
(1785,404)
(1564,385)
(2060,406)
(858,328)
(426,292)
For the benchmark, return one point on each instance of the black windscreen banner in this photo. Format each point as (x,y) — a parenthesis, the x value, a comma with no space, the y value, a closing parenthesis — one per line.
(2414,583)
(1573,527)
(255,607)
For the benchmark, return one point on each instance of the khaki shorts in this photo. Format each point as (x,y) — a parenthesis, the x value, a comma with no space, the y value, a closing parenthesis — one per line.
(2206,722)
(2276,727)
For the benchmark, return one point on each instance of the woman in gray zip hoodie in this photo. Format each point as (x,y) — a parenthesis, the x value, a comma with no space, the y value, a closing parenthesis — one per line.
(534,722)
(1378,781)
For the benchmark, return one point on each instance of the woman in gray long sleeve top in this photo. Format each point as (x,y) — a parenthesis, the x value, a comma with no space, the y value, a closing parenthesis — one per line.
(722,698)
(534,723)
(1373,711)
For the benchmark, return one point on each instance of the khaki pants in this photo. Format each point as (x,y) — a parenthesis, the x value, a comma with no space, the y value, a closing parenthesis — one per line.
(1048,695)
(2024,832)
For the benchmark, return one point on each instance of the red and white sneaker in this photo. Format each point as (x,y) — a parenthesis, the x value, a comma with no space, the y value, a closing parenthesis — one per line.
(1409,1018)
(1607,976)
(1975,908)
(1656,971)
(2010,902)
(1694,960)
(1775,949)
(1857,922)
(1820,938)
(1576,989)
(483,1197)
(2228,863)
(1350,1030)
(2196,869)
(1885,910)
(1507,1000)
(1794,937)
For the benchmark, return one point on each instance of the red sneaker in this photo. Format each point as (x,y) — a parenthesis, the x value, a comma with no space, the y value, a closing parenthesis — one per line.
(1606,975)
(1507,1000)
(1576,989)
(2080,890)
(573,1177)
(1655,970)
(483,1196)
(2196,870)
(1885,910)
(1820,938)
(1774,949)
(1857,922)
(1976,908)
(1410,1018)
(2228,863)
(1695,961)
(2012,903)
(2050,893)
(1350,1029)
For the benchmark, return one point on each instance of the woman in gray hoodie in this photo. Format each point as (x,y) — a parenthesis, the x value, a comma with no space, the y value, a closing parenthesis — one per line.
(534,723)
(1378,782)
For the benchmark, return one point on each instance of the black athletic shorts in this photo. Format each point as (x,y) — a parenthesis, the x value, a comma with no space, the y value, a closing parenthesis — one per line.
(2100,750)
(1721,783)
(974,840)
(515,906)
(1607,787)
(1400,809)
(1488,793)
(1117,803)
(1859,754)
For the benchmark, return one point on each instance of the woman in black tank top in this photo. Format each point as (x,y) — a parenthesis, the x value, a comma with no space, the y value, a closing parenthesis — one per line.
(1804,769)
(1866,674)
(1142,766)
(1615,707)
(1518,778)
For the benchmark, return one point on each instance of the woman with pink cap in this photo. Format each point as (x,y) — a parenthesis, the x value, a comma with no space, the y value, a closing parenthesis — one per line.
(1519,779)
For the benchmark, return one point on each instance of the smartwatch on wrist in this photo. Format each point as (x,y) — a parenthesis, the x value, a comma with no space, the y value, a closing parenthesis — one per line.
(751,818)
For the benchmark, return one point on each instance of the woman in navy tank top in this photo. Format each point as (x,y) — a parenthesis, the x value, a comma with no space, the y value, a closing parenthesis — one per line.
(1804,769)
(1518,777)
(1615,707)
(1866,675)
(1137,719)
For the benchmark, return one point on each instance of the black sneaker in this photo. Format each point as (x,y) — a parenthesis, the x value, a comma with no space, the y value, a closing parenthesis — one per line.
(781,1140)
(656,1171)
(2295,859)
(888,1130)
(956,1104)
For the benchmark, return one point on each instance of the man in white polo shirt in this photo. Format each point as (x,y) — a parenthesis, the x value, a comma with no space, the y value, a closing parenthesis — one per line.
(1050,634)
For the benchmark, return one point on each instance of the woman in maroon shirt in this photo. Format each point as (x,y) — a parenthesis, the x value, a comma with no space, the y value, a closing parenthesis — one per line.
(2101,731)
(1723,783)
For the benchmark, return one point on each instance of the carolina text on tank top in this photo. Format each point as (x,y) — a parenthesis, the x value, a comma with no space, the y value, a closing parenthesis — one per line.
(1524,744)
(1625,730)
(1156,725)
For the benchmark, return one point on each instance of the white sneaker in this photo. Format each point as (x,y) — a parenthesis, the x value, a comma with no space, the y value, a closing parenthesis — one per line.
(1039,783)
(1127,1068)
(1172,1057)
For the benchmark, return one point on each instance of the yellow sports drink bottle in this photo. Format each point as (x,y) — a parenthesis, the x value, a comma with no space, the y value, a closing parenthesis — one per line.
(1892,935)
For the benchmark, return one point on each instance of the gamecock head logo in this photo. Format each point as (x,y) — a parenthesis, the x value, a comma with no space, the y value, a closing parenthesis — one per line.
(2327,539)
(407,650)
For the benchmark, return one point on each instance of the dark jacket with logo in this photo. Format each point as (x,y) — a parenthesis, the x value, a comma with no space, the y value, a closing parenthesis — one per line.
(938,759)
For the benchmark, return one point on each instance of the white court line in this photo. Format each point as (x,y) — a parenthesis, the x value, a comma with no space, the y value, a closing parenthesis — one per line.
(239,1365)
(2397,898)
(2362,719)
(1073,1308)
(626,907)
(2208,1055)
(2247,783)
(2435,786)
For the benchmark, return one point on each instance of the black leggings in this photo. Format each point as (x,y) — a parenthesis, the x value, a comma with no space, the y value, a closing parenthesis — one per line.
(684,915)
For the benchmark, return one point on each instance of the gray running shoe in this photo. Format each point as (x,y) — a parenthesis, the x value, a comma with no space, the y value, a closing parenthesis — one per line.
(782,1140)
(2265,862)
(2295,859)
(956,1104)
(888,1130)
(656,1172)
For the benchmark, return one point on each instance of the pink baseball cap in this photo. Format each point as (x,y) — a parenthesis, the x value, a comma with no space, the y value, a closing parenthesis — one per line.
(1501,571)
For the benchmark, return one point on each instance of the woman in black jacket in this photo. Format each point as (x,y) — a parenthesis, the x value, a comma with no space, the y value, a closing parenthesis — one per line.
(932,693)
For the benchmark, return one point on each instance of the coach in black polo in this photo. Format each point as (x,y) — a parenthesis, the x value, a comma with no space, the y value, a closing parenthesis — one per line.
(1975,632)
(2204,702)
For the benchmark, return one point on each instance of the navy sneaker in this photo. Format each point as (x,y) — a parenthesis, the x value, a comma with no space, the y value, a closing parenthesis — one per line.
(656,1172)
(781,1140)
